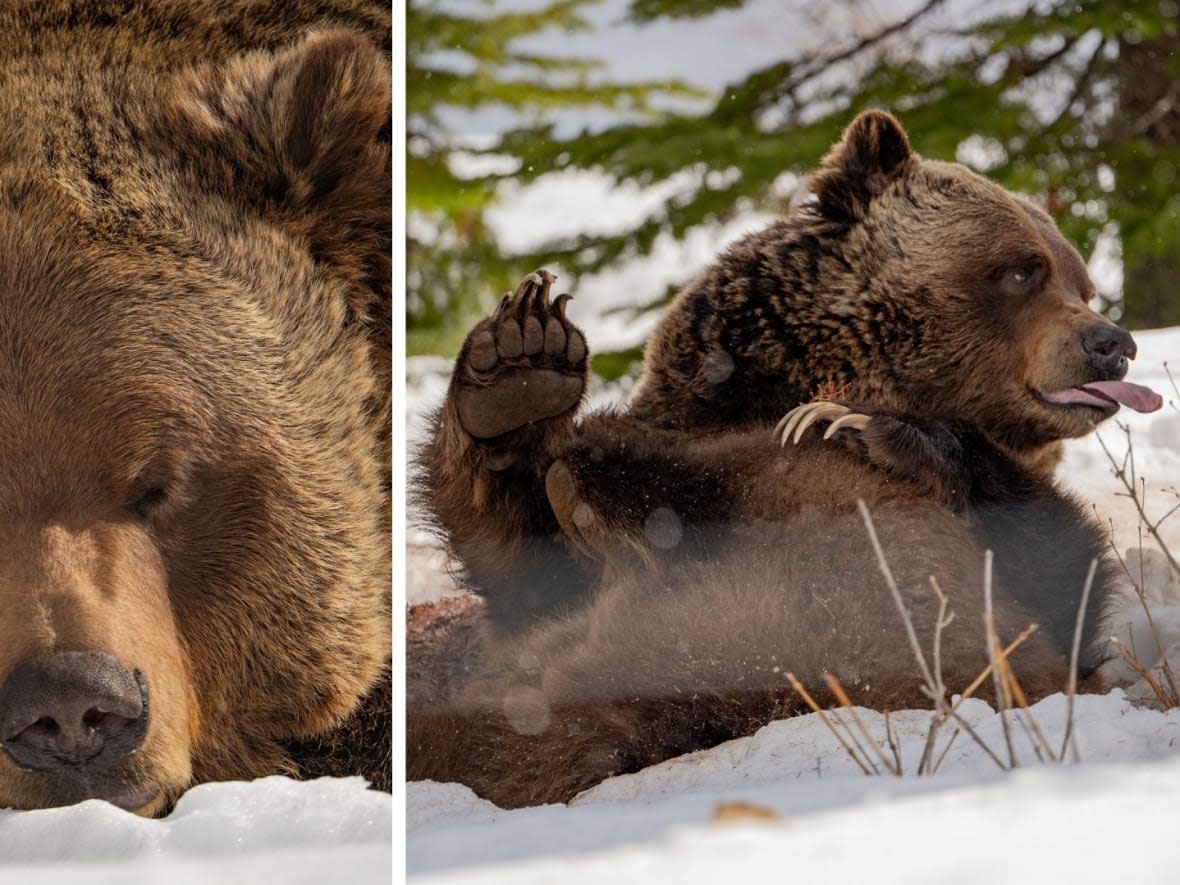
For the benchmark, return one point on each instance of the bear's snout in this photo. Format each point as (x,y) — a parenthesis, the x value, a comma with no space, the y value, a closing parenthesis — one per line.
(1107,348)
(73,716)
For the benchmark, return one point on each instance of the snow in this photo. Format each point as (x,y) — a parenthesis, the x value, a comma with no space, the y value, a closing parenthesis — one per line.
(273,828)
(796,769)
(971,820)
(1034,825)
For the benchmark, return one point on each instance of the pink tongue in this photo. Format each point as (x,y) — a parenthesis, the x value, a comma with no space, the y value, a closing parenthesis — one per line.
(1098,393)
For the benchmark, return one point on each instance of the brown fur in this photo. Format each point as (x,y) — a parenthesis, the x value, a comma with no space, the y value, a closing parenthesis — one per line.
(652,573)
(195,299)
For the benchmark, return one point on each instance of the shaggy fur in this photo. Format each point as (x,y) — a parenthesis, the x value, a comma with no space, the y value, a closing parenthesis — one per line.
(194,376)
(651,572)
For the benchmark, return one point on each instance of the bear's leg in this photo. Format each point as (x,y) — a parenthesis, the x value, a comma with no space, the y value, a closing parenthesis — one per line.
(515,388)
(521,756)
(622,487)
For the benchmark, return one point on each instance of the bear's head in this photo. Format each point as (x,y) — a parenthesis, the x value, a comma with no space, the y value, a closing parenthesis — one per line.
(974,305)
(194,547)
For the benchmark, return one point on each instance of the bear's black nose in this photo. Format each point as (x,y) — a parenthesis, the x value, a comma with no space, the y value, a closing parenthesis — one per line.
(1107,349)
(72,714)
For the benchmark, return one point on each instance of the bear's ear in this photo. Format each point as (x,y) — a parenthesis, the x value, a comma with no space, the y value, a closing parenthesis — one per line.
(296,123)
(331,99)
(302,136)
(873,152)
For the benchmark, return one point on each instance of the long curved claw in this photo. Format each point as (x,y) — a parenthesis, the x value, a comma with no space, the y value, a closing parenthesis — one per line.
(782,423)
(795,423)
(822,410)
(792,419)
(559,303)
(502,307)
(854,420)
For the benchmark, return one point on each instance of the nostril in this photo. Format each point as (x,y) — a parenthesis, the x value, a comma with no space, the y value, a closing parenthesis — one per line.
(46,725)
(80,711)
(1107,347)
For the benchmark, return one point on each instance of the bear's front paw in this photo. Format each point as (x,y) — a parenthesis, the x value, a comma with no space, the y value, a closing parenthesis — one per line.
(927,453)
(795,422)
(524,364)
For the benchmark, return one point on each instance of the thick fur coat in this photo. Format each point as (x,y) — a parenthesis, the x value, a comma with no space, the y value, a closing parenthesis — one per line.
(195,385)
(652,572)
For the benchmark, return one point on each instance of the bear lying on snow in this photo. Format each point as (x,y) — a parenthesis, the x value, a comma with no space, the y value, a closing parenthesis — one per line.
(651,573)
(194,396)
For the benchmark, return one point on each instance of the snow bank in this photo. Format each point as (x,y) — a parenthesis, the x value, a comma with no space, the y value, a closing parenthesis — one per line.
(832,820)
(272,828)
(1091,825)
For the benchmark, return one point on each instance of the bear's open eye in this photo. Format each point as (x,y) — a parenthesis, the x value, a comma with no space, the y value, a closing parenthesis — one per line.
(1020,279)
(147,501)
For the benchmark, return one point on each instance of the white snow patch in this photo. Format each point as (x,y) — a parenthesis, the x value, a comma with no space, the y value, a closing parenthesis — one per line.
(655,822)
(272,828)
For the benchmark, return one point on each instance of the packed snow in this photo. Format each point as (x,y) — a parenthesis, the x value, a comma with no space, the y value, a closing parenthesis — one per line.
(270,829)
(789,801)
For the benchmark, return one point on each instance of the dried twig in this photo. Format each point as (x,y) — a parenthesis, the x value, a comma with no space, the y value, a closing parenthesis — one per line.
(1136,490)
(945,750)
(1175,389)
(933,683)
(1161,693)
(1141,594)
(938,689)
(1025,717)
(1073,662)
(815,708)
(1003,701)
(1125,473)
(883,565)
(842,696)
(894,746)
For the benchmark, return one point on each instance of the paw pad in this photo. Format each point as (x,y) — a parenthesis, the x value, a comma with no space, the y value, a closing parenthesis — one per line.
(524,364)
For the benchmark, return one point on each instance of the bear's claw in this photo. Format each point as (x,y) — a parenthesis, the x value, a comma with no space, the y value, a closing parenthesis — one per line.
(524,364)
(795,423)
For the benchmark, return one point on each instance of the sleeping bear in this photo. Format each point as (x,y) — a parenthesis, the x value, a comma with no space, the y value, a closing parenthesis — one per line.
(194,396)
(915,338)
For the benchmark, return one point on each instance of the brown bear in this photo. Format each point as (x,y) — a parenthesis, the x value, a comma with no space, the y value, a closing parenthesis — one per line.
(194,396)
(651,573)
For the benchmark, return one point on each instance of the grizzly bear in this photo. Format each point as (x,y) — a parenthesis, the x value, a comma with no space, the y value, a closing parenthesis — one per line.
(651,573)
(194,396)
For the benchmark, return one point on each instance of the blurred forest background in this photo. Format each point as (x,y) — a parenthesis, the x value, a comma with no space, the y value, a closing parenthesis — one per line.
(1074,103)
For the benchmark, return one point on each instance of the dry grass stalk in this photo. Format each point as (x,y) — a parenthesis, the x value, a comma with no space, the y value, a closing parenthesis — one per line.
(1003,700)
(938,688)
(1167,692)
(1074,651)
(1024,716)
(1162,694)
(815,708)
(932,679)
(894,745)
(883,564)
(1009,693)
(945,750)
(987,671)
(842,696)
(1136,490)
